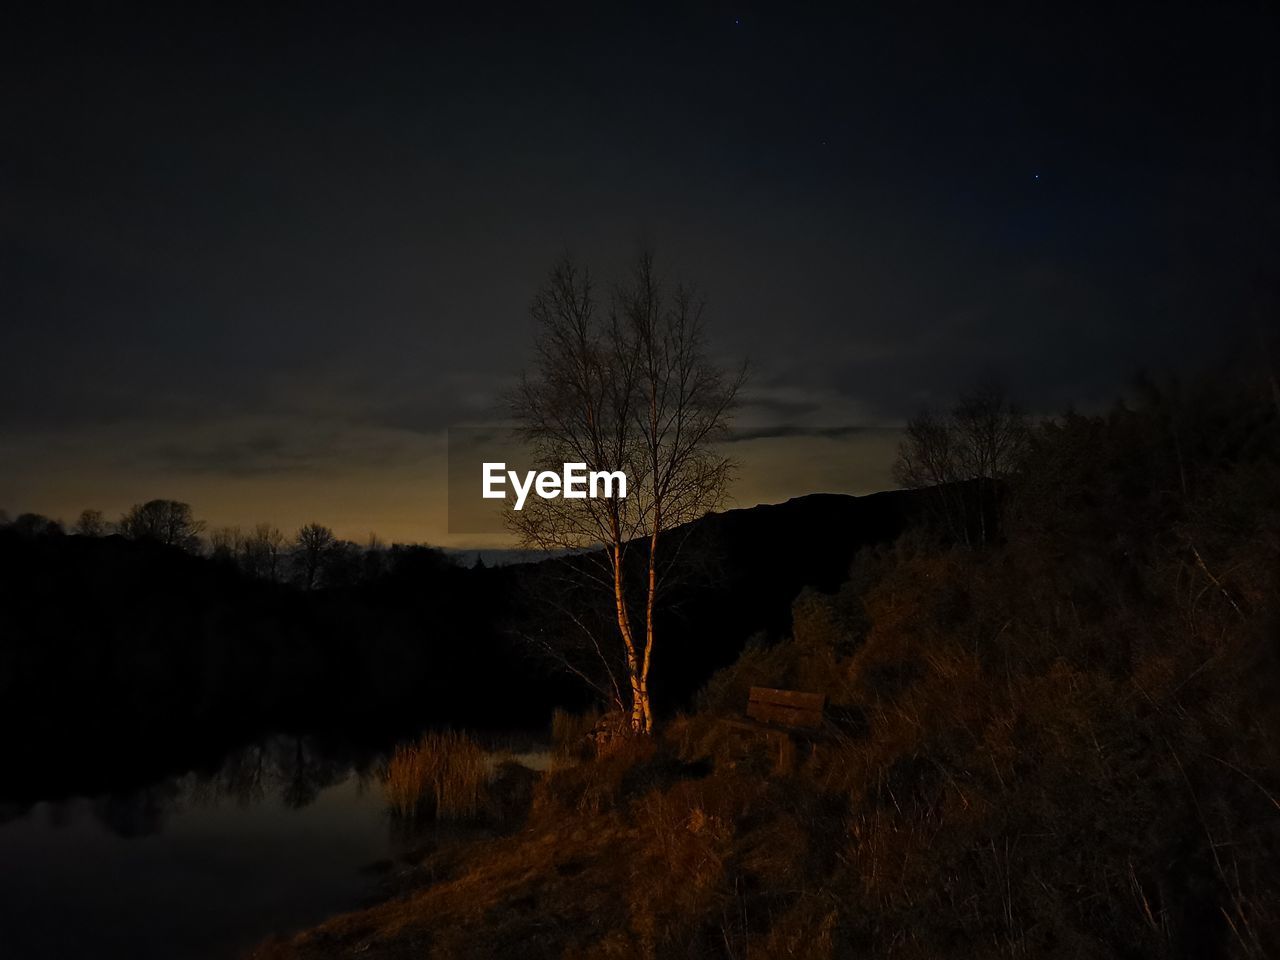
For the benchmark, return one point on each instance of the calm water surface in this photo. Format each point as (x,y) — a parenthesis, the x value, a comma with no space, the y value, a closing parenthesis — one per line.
(202,866)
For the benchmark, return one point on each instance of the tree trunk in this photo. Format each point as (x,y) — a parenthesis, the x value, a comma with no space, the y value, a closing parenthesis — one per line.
(639,695)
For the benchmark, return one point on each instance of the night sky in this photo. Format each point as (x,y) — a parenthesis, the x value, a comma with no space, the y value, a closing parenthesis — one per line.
(261,262)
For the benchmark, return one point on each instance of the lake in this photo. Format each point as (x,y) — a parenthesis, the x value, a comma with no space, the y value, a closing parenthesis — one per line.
(205,865)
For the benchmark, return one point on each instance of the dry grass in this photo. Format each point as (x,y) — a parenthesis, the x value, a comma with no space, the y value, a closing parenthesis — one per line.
(683,851)
(445,774)
(598,783)
(569,729)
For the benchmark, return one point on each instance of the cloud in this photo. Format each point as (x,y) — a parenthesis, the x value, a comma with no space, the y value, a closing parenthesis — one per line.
(780,406)
(805,430)
(776,406)
(246,448)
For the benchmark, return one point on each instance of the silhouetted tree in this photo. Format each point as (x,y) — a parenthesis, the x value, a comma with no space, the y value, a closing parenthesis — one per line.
(91,524)
(630,390)
(418,561)
(982,440)
(311,547)
(224,544)
(35,525)
(374,561)
(166,521)
(342,564)
(261,552)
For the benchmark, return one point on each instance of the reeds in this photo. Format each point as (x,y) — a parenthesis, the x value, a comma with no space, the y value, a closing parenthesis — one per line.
(569,730)
(445,774)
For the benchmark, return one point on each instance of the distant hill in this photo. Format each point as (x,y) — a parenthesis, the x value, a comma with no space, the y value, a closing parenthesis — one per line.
(764,556)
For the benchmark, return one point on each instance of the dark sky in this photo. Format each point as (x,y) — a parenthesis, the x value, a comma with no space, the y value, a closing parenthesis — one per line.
(259,262)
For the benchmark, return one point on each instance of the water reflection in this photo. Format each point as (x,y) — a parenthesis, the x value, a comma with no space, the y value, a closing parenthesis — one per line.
(292,769)
(289,770)
(137,814)
(278,836)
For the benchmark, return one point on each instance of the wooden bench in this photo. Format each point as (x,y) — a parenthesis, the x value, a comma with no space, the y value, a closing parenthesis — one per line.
(786,708)
(782,716)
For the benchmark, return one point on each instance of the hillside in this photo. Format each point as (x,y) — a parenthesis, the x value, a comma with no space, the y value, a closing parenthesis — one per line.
(1062,744)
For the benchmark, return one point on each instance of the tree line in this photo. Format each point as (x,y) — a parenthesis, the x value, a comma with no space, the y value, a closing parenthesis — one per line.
(313,557)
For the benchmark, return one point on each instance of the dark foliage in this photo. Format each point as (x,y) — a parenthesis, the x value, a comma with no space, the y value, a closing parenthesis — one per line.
(120,659)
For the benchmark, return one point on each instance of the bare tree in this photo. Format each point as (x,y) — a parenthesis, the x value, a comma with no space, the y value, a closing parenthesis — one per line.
(166,521)
(630,388)
(91,524)
(261,552)
(311,547)
(375,561)
(982,440)
(224,543)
